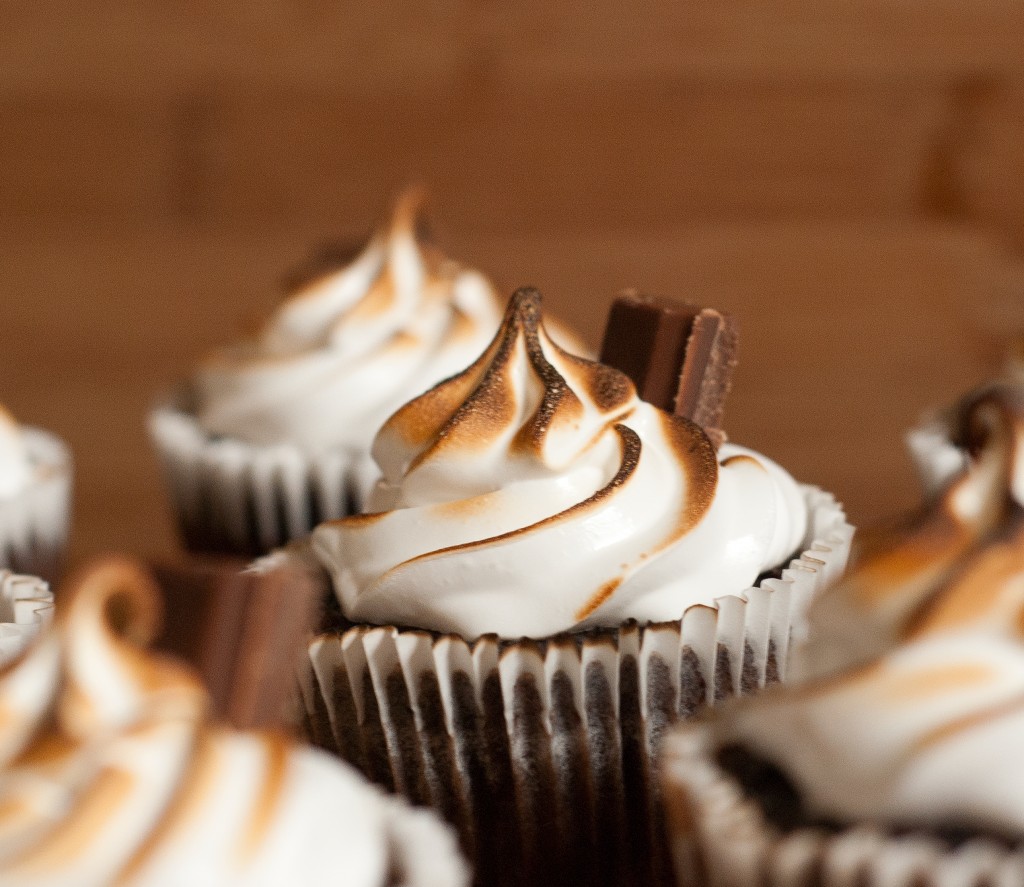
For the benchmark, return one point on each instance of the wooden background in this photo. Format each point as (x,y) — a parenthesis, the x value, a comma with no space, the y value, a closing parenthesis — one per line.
(847,176)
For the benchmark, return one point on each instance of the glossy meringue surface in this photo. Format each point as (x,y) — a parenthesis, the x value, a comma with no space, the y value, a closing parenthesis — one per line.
(906,705)
(16,471)
(535,493)
(351,345)
(110,772)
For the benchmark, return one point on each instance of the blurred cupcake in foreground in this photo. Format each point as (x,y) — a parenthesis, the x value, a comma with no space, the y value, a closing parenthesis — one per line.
(551,571)
(35,499)
(272,435)
(111,773)
(893,755)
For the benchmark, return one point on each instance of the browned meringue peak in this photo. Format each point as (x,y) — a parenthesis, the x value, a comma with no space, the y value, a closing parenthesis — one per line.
(105,680)
(905,569)
(110,772)
(409,218)
(399,249)
(491,400)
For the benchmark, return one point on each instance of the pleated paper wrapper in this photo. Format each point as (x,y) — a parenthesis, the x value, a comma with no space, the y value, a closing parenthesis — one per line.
(721,838)
(26,606)
(34,523)
(541,752)
(233,497)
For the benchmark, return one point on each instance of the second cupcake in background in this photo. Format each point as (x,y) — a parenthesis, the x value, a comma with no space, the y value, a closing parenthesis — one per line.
(272,435)
(35,499)
(552,572)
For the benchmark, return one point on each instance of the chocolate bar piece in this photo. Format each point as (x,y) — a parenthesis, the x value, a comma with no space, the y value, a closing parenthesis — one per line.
(680,356)
(245,632)
(706,376)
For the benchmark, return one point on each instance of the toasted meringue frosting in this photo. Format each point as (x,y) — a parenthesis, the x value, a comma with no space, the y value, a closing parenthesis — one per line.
(16,470)
(352,345)
(535,493)
(111,774)
(906,705)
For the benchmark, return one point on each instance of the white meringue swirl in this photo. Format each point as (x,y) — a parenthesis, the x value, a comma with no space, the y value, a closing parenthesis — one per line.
(535,493)
(110,774)
(351,346)
(908,701)
(16,471)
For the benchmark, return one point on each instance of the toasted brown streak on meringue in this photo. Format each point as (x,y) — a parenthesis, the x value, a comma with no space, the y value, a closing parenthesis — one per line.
(470,408)
(600,596)
(198,779)
(408,219)
(969,722)
(934,681)
(429,417)
(78,828)
(975,591)
(630,460)
(697,456)
(130,618)
(265,805)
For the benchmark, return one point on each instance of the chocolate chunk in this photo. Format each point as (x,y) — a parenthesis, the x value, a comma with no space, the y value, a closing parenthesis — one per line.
(244,632)
(706,376)
(680,356)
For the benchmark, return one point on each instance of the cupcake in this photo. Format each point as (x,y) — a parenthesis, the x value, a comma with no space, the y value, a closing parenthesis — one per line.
(110,773)
(272,435)
(892,755)
(550,571)
(35,499)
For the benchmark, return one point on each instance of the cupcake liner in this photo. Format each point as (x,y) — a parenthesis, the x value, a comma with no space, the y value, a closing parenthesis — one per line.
(26,605)
(239,498)
(34,523)
(540,751)
(720,838)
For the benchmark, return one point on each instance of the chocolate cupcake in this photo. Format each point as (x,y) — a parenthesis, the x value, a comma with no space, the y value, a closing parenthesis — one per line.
(892,755)
(35,499)
(111,773)
(551,571)
(272,436)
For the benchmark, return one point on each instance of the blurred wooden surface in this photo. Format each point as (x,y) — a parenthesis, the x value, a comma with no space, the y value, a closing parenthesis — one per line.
(847,176)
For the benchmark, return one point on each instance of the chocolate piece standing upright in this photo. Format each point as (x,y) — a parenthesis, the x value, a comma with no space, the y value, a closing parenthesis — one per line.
(680,356)
(244,632)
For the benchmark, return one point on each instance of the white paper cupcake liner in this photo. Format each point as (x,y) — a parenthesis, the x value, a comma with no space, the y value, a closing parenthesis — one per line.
(721,838)
(233,497)
(34,523)
(541,752)
(26,606)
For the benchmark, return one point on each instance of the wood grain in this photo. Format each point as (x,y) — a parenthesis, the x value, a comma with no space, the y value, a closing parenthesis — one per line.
(848,332)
